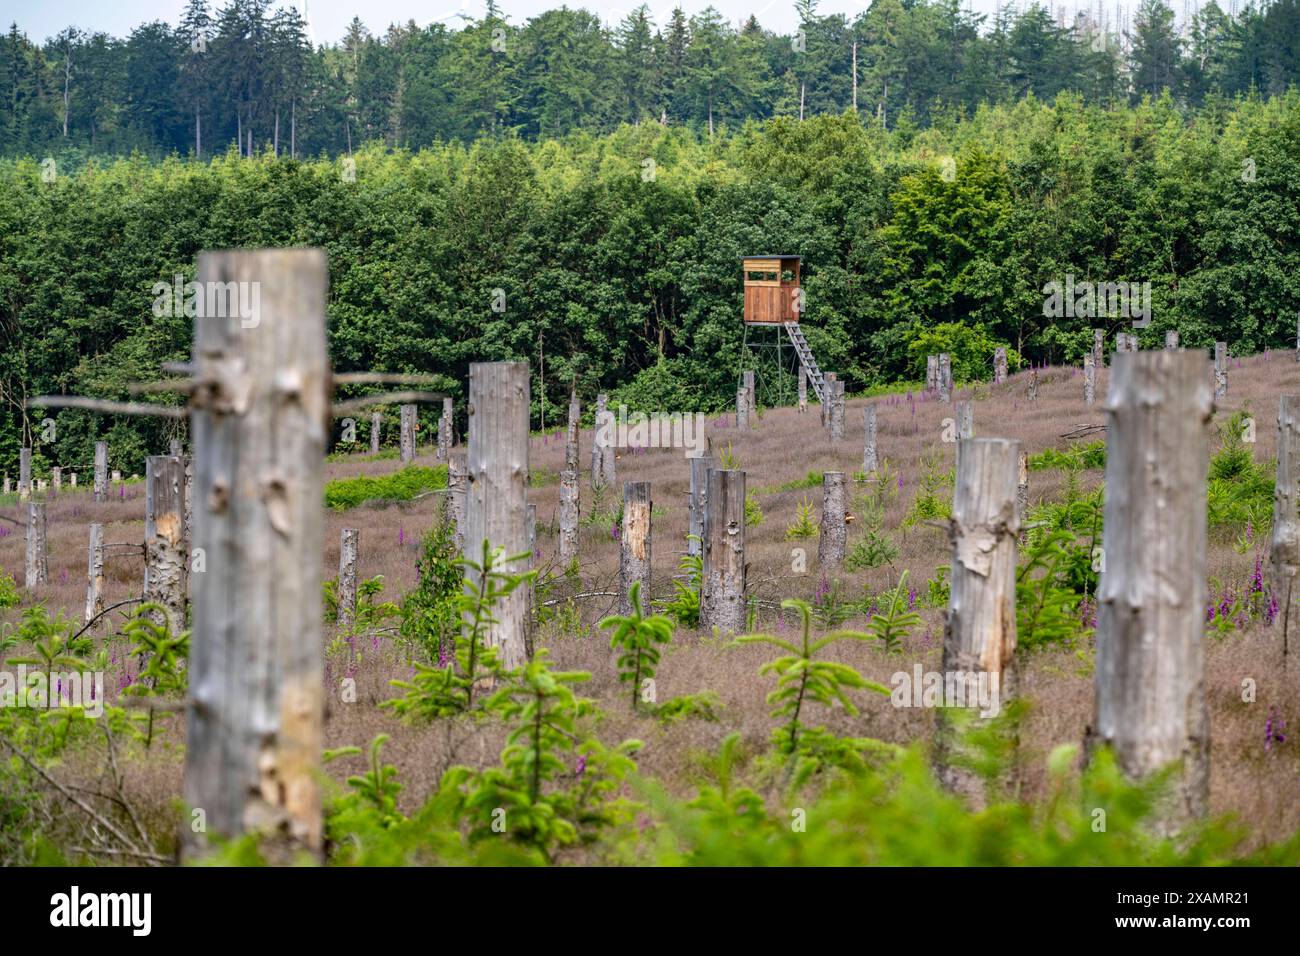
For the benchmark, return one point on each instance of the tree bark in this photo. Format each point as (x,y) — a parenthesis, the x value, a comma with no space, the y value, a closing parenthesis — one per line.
(101,471)
(1285,551)
(869,460)
(259,426)
(496,502)
(408,434)
(37,563)
(980,635)
(95,573)
(1150,681)
(349,540)
(1089,379)
(722,591)
(376,426)
(569,515)
(164,537)
(834,534)
(634,545)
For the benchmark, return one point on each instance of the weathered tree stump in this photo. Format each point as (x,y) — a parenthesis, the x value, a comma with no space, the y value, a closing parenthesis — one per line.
(1089,378)
(1150,677)
(573,437)
(37,564)
(95,573)
(1098,348)
(722,592)
(1220,369)
(101,471)
(836,390)
(834,532)
(870,463)
(259,425)
(931,373)
(164,537)
(349,540)
(999,365)
(945,377)
(965,419)
(457,487)
(496,503)
(1171,339)
(24,474)
(1284,555)
(697,518)
(569,515)
(376,427)
(742,409)
(444,430)
(980,635)
(634,545)
(408,434)
(803,389)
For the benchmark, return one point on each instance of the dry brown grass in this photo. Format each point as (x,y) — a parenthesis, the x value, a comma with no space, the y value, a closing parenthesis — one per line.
(1260,788)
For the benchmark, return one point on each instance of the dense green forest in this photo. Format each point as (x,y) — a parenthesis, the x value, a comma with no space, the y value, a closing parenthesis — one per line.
(612,260)
(246,73)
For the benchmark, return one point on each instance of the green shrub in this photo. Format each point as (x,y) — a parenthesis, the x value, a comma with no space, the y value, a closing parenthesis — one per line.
(411,482)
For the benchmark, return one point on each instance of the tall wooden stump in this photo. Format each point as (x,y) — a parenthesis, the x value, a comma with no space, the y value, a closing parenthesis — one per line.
(999,364)
(697,511)
(634,545)
(803,389)
(945,377)
(751,395)
(869,460)
(1022,486)
(408,434)
(444,430)
(259,426)
(931,373)
(37,564)
(722,593)
(25,487)
(965,419)
(349,539)
(569,515)
(602,446)
(457,488)
(1089,378)
(836,390)
(95,573)
(834,533)
(1171,339)
(1033,385)
(1285,551)
(742,409)
(164,537)
(496,503)
(1098,348)
(56,481)
(571,444)
(376,426)
(979,640)
(1220,369)
(530,617)
(1150,679)
(101,471)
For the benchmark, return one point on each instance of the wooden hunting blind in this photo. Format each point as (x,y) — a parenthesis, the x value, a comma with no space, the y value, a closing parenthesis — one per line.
(774,301)
(771,289)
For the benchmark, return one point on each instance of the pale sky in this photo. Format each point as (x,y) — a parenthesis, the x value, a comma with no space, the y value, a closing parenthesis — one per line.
(41,19)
